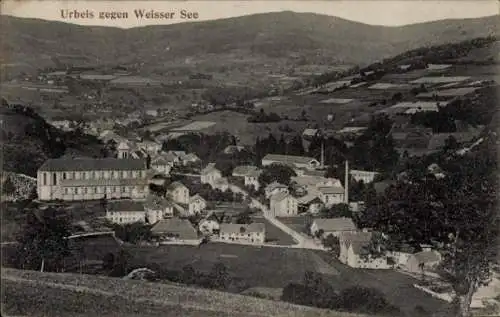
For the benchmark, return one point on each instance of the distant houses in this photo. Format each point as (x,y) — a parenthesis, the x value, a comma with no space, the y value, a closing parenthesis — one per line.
(250,175)
(174,230)
(210,174)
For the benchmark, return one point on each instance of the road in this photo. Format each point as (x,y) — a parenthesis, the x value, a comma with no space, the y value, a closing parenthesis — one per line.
(303,241)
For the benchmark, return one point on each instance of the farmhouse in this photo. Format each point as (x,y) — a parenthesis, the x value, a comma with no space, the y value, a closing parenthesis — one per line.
(251,233)
(291,160)
(178,192)
(283,204)
(125,211)
(89,178)
(334,226)
(353,251)
(174,229)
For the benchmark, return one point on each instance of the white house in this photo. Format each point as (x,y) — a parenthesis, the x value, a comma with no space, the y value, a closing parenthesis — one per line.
(157,208)
(210,174)
(275,188)
(125,211)
(190,158)
(178,192)
(283,204)
(291,160)
(196,204)
(365,176)
(333,226)
(250,175)
(331,195)
(353,251)
(221,183)
(251,233)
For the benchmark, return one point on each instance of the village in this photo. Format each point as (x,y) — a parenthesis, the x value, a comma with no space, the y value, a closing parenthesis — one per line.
(350,174)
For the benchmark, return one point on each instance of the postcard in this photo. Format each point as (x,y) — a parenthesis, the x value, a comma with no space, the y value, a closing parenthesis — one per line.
(249,158)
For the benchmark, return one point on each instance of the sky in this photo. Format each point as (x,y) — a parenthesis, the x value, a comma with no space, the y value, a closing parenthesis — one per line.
(390,13)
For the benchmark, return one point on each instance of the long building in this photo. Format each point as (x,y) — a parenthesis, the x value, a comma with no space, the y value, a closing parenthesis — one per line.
(90,178)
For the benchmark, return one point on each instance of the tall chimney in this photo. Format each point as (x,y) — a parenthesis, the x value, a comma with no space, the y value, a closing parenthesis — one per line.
(322,155)
(346,183)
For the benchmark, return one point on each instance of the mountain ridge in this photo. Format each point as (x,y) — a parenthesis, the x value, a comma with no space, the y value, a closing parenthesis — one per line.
(273,36)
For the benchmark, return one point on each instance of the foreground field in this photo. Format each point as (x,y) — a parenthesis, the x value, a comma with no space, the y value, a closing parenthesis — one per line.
(51,294)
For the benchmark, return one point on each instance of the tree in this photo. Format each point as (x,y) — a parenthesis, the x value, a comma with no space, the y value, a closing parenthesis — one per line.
(457,215)
(8,187)
(219,277)
(244,217)
(331,242)
(276,173)
(337,211)
(43,243)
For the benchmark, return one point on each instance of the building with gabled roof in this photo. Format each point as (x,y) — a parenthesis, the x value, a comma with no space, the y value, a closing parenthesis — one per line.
(331,195)
(90,178)
(174,229)
(125,211)
(210,174)
(247,233)
(283,204)
(333,226)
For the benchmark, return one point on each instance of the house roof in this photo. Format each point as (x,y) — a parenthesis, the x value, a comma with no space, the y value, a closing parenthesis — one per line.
(244,170)
(191,157)
(159,160)
(242,228)
(427,256)
(176,226)
(331,190)
(92,164)
(356,240)
(176,185)
(274,185)
(289,159)
(280,196)
(196,197)
(155,202)
(124,205)
(209,170)
(335,224)
(308,199)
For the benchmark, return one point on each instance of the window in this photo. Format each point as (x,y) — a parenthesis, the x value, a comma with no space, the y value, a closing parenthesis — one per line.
(85,190)
(95,190)
(54,179)
(64,175)
(66,191)
(44,178)
(124,189)
(84,176)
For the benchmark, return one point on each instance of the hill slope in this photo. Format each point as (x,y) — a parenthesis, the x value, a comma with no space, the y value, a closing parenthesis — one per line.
(270,35)
(28,140)
(51,294)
